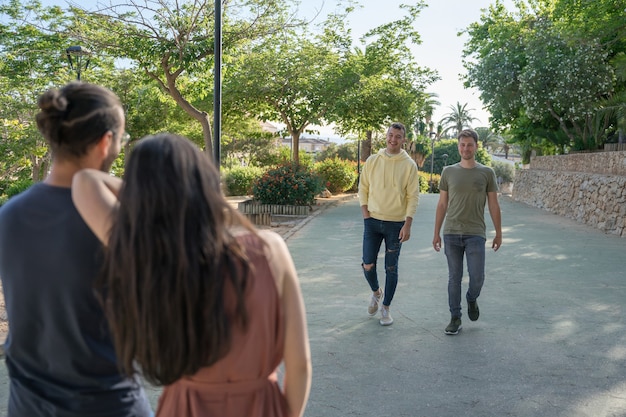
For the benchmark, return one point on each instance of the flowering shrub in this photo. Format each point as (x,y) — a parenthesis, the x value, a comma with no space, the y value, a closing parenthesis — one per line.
(287,184)
(337,174)
(239,180)
(424,178)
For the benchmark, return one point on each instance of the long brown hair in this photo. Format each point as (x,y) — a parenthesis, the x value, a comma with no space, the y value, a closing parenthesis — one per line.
(170,256)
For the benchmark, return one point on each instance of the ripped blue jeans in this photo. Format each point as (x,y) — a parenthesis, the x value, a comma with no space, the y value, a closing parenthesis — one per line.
(374,233)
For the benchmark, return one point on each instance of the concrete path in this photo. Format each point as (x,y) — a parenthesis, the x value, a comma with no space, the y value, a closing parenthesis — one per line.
(551,339)
(550,342)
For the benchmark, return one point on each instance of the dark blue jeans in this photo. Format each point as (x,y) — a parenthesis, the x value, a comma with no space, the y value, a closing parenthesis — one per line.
(473,247)
(374,233)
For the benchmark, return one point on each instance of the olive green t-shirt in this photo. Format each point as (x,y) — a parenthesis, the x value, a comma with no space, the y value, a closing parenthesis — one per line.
(467,194)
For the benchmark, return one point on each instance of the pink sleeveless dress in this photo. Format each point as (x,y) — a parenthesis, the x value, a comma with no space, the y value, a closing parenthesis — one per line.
(244,382)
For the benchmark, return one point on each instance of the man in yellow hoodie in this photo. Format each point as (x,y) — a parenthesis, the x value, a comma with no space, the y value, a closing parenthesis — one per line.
(388,194)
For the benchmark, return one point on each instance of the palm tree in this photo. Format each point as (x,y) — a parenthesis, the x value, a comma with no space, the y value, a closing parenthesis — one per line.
(428,108)
(458,119)
(418,145)
(491,141)
(424,114)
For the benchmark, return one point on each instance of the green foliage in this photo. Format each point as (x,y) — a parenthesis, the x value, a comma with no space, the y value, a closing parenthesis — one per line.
(450,148)
(289,184)
(172,43)
(505,172)
(347,151)
(32,39)
(239,180)
(282,156)
(17,187)
(385,82)
(424,178)
(565,80)
(337,174)
(545,70)
(244,142)
(291,77)
(458,119)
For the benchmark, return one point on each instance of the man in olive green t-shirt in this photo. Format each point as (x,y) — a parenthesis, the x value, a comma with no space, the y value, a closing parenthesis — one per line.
(464,188)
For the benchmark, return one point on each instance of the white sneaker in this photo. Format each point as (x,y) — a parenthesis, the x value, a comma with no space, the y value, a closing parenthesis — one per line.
(385,316)
(375,304)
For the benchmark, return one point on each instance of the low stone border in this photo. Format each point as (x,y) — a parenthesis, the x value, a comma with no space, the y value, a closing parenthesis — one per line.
(261,214)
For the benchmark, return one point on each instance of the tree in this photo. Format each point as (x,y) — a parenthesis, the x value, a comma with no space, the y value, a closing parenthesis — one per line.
(450,148)
(565,80)
(418,143)
(386,84)
(31,61)
(547,69)
(612,116)
(425,111)
(494,57)
(286,77)
(173,42)
(458,119)
(488,139)
(246,143)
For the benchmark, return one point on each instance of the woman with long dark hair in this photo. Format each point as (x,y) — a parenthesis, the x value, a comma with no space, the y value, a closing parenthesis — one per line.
(204,303)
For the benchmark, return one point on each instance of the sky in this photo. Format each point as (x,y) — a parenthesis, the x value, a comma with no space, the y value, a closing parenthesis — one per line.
(441,48)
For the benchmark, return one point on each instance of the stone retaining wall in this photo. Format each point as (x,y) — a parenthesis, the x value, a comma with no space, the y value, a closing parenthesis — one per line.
(587,187)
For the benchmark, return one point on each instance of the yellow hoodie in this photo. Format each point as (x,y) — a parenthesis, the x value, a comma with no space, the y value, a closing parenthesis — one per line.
(389,186)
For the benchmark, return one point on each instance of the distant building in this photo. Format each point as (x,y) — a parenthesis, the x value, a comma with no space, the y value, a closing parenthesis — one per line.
(309,145)
(268,127)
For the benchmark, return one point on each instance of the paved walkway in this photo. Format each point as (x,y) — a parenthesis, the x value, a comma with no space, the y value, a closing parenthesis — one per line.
(550,342)
(551,339)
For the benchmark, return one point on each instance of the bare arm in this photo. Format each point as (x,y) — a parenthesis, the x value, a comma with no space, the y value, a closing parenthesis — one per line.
(496,218)
(95,196)
(440,214)
(297,358)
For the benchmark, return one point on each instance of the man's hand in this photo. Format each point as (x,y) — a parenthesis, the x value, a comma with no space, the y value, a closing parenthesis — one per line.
(405,233)
(437,243)
(497,242)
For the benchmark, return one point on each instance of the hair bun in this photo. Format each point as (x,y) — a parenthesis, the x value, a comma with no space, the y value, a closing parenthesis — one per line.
(53,102)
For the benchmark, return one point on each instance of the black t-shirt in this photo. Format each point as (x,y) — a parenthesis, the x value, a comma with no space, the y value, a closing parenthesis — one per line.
(59,353)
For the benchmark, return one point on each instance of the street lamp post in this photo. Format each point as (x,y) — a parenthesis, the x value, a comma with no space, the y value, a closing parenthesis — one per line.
(79,53)
(432,135)
(217,85)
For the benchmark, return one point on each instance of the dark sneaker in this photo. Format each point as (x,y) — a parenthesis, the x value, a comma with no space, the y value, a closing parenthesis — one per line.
(454,326)
(472,310)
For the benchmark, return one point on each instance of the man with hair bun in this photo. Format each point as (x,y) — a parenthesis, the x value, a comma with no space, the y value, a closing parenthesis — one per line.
(59,352)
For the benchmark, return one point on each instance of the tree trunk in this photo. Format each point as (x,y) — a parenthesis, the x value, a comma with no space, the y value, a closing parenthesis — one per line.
(366,146)
(36,170)
(295,147)
(39,167)
(207,134)
(169,86)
